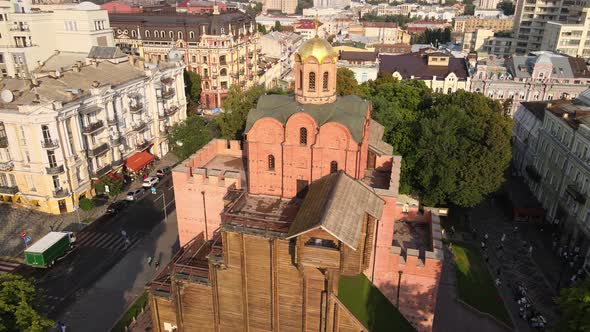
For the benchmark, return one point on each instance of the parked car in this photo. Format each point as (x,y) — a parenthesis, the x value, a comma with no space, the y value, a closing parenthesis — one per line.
(150,182)
(135,194)
(163,172)
(117,207)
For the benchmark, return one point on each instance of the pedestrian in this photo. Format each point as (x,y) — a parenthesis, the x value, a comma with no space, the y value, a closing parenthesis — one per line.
(483,245)
(127,242)
(498,282)
(452,230)
(157,264)
(149,260)
(531,251)
(486,236)
(123,233)
(503,238)
(474,233)
(61,326)
(515,230)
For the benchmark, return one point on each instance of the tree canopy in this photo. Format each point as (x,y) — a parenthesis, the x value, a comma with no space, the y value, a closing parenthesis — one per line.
(238,103)
(433,36)
(574,306)
(346,84)
(17,306)
(401,20)
(507,7)
(189,136)
(192,84)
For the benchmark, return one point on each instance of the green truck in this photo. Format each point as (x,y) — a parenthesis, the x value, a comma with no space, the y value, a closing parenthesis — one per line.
(45,252)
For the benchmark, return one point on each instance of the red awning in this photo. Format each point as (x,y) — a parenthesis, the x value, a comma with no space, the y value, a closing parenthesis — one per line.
(139,160)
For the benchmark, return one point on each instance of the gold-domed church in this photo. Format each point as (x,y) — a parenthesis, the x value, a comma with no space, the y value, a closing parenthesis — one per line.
(272,228)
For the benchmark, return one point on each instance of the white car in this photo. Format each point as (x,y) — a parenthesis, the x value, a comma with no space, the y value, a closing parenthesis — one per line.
(135,194)
(150,182)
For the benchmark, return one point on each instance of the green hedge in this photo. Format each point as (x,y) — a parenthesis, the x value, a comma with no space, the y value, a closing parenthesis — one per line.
(131,313)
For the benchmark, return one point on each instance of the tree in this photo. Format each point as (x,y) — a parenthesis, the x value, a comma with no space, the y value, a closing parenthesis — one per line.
(574,306)
(238,103)
(462,149)
(86,204)
(507,7)
(189,136)
(254,10)
(261,29)
(192,85)
(303,4)
(278,27)
(18,310)
(346,84)
(115,186)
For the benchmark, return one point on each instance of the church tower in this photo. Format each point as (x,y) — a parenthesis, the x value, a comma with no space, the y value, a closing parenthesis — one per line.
(315,72)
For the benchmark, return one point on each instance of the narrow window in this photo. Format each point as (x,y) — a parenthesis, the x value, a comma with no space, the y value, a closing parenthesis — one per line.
(334,166)
(171,34)
(301,80)
(191,35)
(271,162)
(303,136)
(311,81)
(147,33)
(325,81)
(156,34)
(133,33)
(180,35)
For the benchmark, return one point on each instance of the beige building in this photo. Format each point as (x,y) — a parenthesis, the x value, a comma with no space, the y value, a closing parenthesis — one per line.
(76,121)
(488,4)
(472,23)
(475,41)
(28,37)
(285,6)
(569,39)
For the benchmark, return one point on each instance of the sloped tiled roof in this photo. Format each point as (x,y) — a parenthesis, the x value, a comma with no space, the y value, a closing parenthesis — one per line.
(105,52)
(415,64)
(376,143)
(337,204)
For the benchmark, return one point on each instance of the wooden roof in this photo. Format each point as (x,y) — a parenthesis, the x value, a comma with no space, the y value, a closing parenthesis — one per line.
(337,204)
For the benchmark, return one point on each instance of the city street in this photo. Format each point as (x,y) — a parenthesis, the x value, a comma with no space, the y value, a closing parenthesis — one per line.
(99,247)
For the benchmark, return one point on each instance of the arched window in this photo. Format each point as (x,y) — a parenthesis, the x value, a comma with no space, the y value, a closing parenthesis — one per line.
(171,34)
(162,34)
(325,81)
(133,33)
(180,35)
(191,35)
(223,72)
(333,166)
(147,33)
(301,80)
(311,81)
(271,162)
(156,34)
(205,72)
(303,136)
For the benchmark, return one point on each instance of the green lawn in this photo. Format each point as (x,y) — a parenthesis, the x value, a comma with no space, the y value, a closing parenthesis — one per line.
(370,306)
(131,313)
(475,284)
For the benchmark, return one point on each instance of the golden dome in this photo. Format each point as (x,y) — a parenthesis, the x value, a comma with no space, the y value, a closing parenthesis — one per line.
(318,48)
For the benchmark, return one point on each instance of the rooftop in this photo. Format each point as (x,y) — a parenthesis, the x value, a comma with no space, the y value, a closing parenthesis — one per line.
(358,56)
(226,163)
(412,235)
(415,64)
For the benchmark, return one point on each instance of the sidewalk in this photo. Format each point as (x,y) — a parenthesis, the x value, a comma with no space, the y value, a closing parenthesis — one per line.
(121,285)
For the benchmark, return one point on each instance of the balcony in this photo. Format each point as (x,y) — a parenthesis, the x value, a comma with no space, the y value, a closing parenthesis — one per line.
(574,191)
(3,142)
(6,166)
(9,190)
(533,173)
(102,171)
(53,170)
(93,127)
(116,141)
(118,163)
(139,126)
(169,93)
(20,28)
(170,110)
(111,122)
(61,193)
(97,151)
(143,146)
(50,143)
(138,107)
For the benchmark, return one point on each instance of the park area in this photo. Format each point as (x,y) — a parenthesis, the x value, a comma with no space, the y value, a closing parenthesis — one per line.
(370,306)
(474,283)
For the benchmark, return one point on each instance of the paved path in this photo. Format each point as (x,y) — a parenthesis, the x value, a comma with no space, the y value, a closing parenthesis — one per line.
(119,287)
(451,315)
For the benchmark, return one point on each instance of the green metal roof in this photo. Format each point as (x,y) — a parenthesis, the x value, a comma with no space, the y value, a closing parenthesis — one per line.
(349,111)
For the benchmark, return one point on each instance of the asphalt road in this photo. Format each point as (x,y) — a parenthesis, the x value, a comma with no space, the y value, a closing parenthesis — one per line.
(99,247)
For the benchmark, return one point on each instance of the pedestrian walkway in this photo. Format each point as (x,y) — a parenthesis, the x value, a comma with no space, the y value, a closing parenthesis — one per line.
(112,241)
(8,266)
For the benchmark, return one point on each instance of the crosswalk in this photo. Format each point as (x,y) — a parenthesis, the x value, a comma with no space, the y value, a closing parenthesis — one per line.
(104,240)
(8,266)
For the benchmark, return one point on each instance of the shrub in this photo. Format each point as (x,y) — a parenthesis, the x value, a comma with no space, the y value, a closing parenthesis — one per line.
(86,204)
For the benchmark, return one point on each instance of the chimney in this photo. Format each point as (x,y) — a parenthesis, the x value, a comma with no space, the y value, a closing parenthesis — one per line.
(95,84)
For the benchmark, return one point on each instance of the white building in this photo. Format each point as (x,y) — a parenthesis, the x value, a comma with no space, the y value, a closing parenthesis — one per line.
(331,3)
(28,37)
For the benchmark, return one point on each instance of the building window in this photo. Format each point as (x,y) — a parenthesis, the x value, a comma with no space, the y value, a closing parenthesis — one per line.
(334,166)
(205,59)
(156,34)
(2,130)
(223,72)
(301,80)
(303,136)
(311,81)
(51,158)
(222,60)
(147,33)
(171,34)
(205,72)
(325,81)
(133,33)
(449,91)
(162,34)
(180,35)
(191,35)
(271,162)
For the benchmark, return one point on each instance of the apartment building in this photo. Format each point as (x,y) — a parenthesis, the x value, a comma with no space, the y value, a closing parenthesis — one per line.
(472,23)
(570,39)
(487,4)
(340,4)
(559,171)
(221,47)
(73,123)
(531,19)
(474,41)
(535,77)
(284,6)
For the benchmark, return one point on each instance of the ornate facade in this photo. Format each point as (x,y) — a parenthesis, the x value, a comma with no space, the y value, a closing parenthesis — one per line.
(222,48)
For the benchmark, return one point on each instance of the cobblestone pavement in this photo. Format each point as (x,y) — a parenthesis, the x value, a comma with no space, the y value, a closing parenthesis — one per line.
(15,220)
(514,263)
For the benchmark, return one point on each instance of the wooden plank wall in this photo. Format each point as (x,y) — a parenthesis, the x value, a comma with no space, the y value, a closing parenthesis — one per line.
(290,290)
(229,286)
(257,275)
(197,307)
(314,287)
(163,311)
